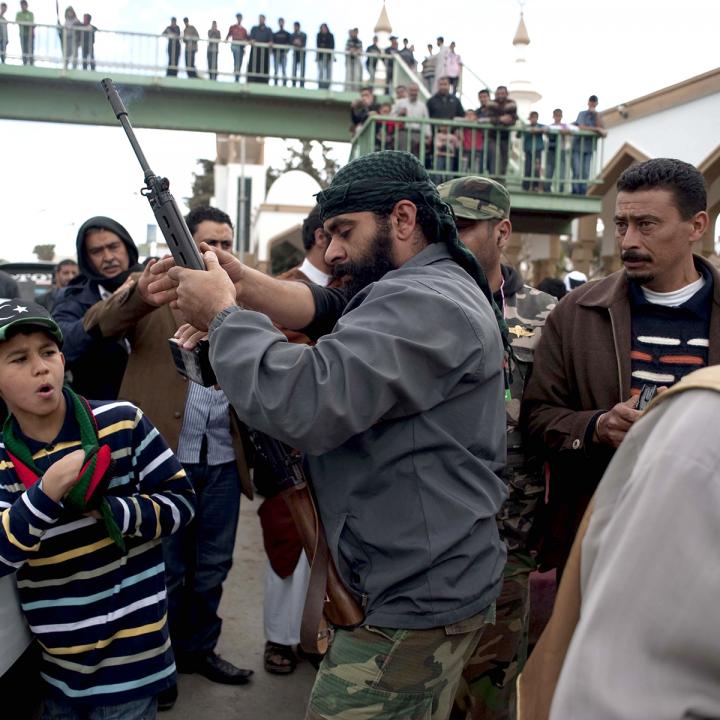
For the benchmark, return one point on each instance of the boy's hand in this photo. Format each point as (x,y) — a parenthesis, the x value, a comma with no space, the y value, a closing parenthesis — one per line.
(63,475)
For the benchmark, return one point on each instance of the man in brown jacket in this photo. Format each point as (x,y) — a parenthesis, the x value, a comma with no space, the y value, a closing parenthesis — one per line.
(201,429)
(651,323)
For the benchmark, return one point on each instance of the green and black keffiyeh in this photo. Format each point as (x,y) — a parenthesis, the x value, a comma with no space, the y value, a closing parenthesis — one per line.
(376,182)
(89,492)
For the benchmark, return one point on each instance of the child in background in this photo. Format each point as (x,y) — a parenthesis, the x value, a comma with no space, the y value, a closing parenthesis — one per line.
(472,142)
(386,133)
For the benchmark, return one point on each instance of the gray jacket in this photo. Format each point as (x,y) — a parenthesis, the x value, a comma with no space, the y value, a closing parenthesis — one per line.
(401,413)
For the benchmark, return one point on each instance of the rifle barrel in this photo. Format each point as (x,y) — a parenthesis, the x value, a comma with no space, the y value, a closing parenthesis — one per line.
(121,114)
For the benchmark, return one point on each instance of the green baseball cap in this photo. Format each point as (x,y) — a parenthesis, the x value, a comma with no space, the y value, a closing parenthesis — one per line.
(476,198)
(16,313)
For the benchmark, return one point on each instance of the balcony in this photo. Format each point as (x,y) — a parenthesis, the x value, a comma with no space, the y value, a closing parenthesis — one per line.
(547,173)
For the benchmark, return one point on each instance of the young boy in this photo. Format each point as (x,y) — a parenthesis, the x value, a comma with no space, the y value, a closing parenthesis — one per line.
(87,491)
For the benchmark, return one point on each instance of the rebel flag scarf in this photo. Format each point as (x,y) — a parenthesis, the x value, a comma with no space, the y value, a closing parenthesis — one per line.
(89,492)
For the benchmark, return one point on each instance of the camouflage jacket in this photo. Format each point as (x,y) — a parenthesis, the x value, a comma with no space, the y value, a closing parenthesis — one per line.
(525,313)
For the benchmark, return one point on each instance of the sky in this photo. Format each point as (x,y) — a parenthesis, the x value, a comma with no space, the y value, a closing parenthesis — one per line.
(53,177)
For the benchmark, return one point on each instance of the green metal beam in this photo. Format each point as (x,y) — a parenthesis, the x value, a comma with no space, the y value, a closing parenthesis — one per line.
(75,96)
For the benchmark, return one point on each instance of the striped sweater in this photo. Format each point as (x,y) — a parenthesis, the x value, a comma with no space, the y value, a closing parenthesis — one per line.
(99,615)
(669,342)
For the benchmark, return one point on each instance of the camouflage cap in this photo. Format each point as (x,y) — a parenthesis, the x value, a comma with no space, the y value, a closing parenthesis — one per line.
(476,198)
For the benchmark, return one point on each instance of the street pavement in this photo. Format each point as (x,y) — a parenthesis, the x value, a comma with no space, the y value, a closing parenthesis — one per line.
(266,696)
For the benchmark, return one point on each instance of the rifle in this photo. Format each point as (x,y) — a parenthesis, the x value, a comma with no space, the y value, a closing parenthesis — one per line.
(327,599)
(193,364)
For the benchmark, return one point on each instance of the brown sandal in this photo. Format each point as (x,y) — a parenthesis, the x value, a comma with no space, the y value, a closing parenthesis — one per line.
(279,659)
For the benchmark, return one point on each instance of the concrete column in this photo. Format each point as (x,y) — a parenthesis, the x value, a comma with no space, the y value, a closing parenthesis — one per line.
(583,251)
(547,267)
(513,250)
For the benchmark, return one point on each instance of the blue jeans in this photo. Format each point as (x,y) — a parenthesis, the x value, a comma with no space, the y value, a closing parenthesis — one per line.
(550,164)
(581,170)
(56,709)
(324,61)
(198,558)
(238,52)
(280,60)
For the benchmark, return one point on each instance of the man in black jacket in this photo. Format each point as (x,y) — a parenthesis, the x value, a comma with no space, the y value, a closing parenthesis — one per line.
(106,257)
(443,105)
(259,64)
(281,38)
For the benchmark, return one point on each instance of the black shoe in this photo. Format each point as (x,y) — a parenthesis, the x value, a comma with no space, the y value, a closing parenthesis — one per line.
(313,658)
(217,669)
(166,698)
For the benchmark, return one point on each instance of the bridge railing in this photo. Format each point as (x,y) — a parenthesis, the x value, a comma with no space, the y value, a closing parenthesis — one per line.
(84,48)
(547,161)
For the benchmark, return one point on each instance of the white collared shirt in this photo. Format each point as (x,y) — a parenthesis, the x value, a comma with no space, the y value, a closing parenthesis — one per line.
(313,274)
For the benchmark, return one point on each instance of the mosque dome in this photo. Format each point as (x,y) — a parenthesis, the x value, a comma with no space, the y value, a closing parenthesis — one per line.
(293,187)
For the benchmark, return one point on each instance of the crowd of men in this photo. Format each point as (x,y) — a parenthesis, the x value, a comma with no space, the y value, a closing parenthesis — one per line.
(280,56)
(482,144)
(458,425)
(277,55)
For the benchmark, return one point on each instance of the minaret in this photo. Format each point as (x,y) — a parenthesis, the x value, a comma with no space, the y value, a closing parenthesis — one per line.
(382,29)
(521,87)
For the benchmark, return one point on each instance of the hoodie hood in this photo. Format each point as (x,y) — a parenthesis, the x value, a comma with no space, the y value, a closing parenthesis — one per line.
(86,268)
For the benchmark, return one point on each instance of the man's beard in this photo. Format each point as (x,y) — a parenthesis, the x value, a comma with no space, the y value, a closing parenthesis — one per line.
(370,267)
(642,277)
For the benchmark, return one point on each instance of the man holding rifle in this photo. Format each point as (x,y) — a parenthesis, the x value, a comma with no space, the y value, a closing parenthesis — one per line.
(399,409)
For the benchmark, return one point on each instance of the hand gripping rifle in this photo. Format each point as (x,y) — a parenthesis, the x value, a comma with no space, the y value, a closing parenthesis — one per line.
(327,599)
(193,364)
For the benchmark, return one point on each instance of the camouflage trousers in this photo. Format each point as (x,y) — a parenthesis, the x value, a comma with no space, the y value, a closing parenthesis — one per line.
(374,673)
(487,688)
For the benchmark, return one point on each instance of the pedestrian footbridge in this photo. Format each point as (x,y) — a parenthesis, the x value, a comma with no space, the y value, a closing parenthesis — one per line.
(245,88)
(55,78)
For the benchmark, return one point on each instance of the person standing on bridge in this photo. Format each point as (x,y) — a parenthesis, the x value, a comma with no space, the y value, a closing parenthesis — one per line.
(298,40)
(172,33)
(88,42)
(70,37)
(214,38)
(325,44)
(353,61)
(3,31)
(25,19)
(259,65)
(190,39)
(281,40)
(237,35)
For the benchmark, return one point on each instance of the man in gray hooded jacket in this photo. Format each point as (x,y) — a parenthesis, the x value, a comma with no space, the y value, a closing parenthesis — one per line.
(400,412)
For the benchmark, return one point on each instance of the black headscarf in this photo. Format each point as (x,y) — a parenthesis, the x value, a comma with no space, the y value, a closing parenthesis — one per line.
(377,181)
(86,267)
